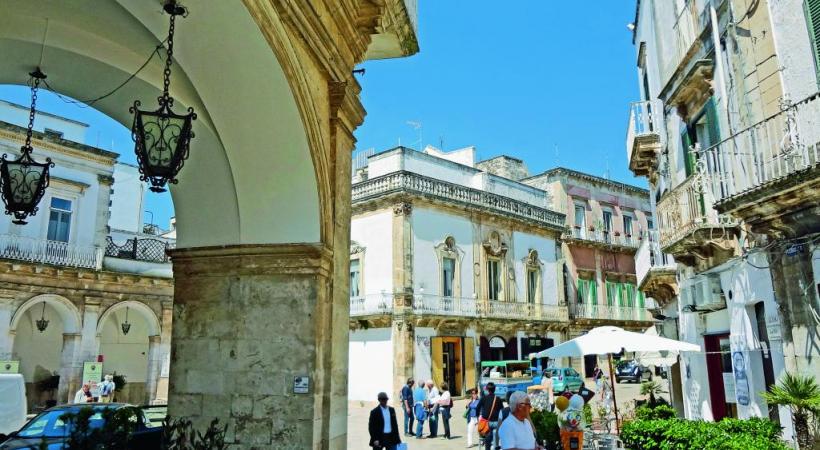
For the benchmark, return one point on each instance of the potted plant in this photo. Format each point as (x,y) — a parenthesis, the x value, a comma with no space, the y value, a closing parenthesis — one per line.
(119,384)
(801,394)
(49,384)
(617,233)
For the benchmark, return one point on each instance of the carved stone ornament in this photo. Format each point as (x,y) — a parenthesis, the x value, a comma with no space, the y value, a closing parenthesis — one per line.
(356,248)
(493,244)
(402,209)
(531,260)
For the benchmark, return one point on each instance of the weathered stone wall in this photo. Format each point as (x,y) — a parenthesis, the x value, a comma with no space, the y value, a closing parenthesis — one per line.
(505,166)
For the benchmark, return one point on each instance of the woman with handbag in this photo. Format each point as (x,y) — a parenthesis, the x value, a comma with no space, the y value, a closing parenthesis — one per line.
(489,407)
(445,402)
(471,414)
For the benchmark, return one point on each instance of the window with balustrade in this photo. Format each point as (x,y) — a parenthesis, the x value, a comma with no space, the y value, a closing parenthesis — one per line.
(532,265)
(449,258)
(59,220)
(355,278)
(493,279)
(607,225)
(580,221)
(587,291)
(495,266)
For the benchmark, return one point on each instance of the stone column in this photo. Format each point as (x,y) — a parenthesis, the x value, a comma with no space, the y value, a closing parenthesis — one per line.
(404,338)
(248,319)
(90,341)
(154,365)
(403,335)
(161,394)
(71,367)
(6,335)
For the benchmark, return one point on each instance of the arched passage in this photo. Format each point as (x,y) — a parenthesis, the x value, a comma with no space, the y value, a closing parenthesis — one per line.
(41,352)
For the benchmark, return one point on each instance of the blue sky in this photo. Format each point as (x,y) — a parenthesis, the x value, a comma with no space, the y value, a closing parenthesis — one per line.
(545,81)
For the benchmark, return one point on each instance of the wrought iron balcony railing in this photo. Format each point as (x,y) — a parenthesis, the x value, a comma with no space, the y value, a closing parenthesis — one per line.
(604,237)
(50,252)
(650,256)
(687,208)
(140,249)
(780,146)
(413,183)
(608,312)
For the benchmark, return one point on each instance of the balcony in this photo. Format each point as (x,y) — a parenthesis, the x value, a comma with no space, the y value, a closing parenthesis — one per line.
(656,271)
(689,24)
(424,304)
(769,174)
(644,138)
(602,239)
(369,305)
(462,196)
(611,313)
(690,227)
(50,252)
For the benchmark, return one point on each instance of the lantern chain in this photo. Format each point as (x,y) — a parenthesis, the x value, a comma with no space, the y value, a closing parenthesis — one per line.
(37,76)
(167,74)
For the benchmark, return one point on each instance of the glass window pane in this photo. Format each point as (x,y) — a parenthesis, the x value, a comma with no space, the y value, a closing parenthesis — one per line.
(354,277)
(579,216)
(59,203)
(628,225)
(448,276)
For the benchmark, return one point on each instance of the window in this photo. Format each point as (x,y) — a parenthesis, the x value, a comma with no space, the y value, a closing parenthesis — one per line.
(580,221)
(493,279)
(53,133)
(355,278)
(59,220)
(587,292)
(613,294)
(448,275)
(812,8)
(627,225)
(532,285)
(607,225)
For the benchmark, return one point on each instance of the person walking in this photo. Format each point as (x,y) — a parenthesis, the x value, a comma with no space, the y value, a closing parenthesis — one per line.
(432,404)
(84,395)
(107,388)
(472,416)
(420,408)
(407,406)
(445,403)
(383,426)
(489,407)
(597,375)
(516,432)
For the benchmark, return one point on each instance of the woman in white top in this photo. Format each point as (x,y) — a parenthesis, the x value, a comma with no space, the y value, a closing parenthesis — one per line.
(516,432)
(445,402)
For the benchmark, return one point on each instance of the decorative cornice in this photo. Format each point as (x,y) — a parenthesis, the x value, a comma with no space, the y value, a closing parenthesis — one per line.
(107,180)
(58,145)
(252,259)
(569,173)
(402,209)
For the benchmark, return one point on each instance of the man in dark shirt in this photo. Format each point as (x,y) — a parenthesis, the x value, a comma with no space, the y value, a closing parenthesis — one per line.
(489,408)
(407,406)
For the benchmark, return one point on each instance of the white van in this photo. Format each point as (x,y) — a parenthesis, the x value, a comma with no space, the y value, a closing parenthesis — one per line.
(13,406)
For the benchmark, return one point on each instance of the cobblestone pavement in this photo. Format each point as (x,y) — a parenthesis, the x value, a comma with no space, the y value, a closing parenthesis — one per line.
(358,412)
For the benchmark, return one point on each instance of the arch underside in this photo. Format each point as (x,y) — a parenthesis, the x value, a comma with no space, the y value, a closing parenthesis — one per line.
(250,178)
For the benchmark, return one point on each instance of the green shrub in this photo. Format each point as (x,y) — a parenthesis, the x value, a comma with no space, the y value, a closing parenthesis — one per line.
(660,412)
(546,426)
(678,434)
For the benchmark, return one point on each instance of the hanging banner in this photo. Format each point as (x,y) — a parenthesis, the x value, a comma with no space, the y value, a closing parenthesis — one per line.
(92,374)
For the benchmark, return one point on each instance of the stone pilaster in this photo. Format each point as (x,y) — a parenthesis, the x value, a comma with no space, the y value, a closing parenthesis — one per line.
(403,333)
(71,367)
(6,335)
(247,321)
(90,345)
(403,338)
(154,366)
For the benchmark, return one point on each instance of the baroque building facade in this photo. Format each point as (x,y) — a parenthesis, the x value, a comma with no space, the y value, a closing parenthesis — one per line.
(76,290)
(726,132)
(454,262)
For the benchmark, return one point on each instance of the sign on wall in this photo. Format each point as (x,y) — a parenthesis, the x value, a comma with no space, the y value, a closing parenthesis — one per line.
(741,381)
(92,372)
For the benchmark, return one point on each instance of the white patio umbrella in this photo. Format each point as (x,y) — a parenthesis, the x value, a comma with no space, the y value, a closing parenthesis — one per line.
(609,340)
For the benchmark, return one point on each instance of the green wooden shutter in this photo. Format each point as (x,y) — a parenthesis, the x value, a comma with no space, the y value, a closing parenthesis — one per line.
(688,158)
(712,122)
(812,8)
(641,300)
(593,290)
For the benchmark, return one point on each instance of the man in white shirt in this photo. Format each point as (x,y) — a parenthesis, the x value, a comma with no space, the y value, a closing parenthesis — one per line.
(516,432)
(383,427)
(432,399)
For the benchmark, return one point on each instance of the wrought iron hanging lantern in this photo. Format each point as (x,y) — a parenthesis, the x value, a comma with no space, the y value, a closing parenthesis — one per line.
(126,327)
(24,181)
(163,137)
(42,323)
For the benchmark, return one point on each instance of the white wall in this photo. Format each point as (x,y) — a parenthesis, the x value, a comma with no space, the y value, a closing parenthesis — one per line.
(38,353)
(793,48)
(430,228)
(374,231)
(18,115)
(422,365)
(125,354)
(127,199)
(370,364)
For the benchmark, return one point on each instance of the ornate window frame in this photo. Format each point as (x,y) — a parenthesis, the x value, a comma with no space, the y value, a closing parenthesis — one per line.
(533,264)
(357,253)
(495,249)
(448,248)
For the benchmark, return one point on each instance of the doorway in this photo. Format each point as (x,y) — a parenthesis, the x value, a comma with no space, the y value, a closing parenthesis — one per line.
(718,363)
(448,363)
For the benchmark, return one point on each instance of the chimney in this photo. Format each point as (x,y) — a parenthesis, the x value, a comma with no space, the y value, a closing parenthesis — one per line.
(505,166)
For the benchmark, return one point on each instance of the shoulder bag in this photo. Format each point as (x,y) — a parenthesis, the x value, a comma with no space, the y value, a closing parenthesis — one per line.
(483,422)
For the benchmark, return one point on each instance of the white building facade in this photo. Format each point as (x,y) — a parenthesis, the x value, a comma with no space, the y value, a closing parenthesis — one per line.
(726,132)
(450,266)
(73,289)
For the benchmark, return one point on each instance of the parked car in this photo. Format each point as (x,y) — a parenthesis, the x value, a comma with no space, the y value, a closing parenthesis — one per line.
(13,405)
(564,378)
(632,371)
(48,427)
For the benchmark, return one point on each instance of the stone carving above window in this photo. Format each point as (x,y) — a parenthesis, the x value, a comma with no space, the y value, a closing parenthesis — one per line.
(356,248)
(531,260)
(402,209)
(494,245)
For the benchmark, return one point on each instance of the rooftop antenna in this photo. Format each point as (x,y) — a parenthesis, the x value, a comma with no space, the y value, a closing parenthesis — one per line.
(416,126)
(606,172)
(557,160)
(441,142)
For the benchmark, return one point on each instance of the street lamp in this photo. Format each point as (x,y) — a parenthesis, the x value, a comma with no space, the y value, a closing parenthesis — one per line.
(42,323)
(24,181)
(126,327)
(163,137)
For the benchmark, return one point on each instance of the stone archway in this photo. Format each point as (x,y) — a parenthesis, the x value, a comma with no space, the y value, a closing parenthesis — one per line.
(263,203)
(43,353)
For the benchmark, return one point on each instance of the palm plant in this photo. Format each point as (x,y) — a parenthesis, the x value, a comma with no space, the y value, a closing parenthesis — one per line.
(802,395)
(651,388)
